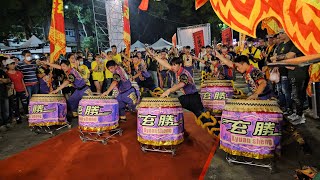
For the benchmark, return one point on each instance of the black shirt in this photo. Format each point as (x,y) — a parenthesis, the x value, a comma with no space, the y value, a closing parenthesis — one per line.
(284,48)
(152,64)
(3,86)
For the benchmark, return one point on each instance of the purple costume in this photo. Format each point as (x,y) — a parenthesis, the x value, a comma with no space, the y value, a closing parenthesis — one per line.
(127,94)
(146,80)
(252,77)
(82,89)
(44,85)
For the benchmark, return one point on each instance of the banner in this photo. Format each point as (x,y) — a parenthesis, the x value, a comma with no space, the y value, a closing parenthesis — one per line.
(126,27)
(57,36)
(144,5)
(185,34)
(299,18)
(227,38)
(174,39)
(198,41)
(242,39)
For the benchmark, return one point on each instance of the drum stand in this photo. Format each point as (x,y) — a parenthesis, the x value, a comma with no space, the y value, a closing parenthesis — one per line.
(48,129)
(163,149)
(269,163)
(100,136)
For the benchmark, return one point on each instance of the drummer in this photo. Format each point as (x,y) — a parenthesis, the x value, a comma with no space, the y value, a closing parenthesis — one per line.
(255,79)
(127,96)
(191,99)
(81,89)
(218,70)
(142,76)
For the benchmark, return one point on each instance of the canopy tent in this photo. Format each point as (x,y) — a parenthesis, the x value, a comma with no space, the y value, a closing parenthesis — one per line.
(4,47)
(32,42)
(139,45)
(43,50)
(161,44)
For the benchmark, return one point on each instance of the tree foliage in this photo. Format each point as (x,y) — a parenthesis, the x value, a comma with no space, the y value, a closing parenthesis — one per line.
(25,15)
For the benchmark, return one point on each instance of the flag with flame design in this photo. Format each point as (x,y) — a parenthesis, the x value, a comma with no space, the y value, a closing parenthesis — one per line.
(57,36)
(144,5)
(299,18)
(126,26)
(271,24)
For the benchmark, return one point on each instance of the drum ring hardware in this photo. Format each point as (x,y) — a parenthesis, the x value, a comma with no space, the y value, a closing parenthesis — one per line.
(243,160)
(163,149)
(48,129)
(100,136)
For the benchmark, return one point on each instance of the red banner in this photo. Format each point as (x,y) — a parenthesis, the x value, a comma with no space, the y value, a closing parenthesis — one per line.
(227,37)
(198,40)
(57,36)
(174,39)
(126,27)
(144,5)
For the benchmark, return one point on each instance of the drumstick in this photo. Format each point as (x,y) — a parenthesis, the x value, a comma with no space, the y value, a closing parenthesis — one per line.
(302,61)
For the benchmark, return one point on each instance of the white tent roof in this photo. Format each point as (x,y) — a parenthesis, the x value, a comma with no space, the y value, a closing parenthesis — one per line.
(160,44)
(139,45)
(32,42)
(3,47)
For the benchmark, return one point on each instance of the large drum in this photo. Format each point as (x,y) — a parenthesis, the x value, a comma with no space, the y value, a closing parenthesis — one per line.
(251,128)
(160,122)
(98,114)
(215,92)
(47,110)
(115,91)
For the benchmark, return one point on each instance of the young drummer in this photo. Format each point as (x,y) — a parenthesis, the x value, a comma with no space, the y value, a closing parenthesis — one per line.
(127,96)
(72,77)
(218,70)
(143,77)
(258,86)
(191,99)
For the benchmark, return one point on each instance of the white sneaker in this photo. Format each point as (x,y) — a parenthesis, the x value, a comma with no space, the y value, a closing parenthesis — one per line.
(292,116)
(3,128)
(298,120)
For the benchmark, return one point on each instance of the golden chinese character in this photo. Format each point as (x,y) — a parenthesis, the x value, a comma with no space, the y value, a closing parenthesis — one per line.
(265,129)
(167,120)
(237,127)
(148,120)
(207,96)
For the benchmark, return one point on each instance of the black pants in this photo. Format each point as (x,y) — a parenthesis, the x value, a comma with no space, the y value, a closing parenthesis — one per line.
(15,101)
(147,83)
(192,102)
(106,83)
(4,111)
(298,94)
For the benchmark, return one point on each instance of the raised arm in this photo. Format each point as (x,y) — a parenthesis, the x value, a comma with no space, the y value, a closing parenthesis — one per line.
(226,61)
(198,59)
(161,61)
(56,66)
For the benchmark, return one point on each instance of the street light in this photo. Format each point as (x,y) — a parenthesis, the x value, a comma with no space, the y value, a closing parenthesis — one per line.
(66,6)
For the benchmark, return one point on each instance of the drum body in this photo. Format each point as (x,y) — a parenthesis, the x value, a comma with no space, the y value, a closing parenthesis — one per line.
(98,113)
(215,92)
(47,110)
(251,128)
(160,122)
(115,91)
